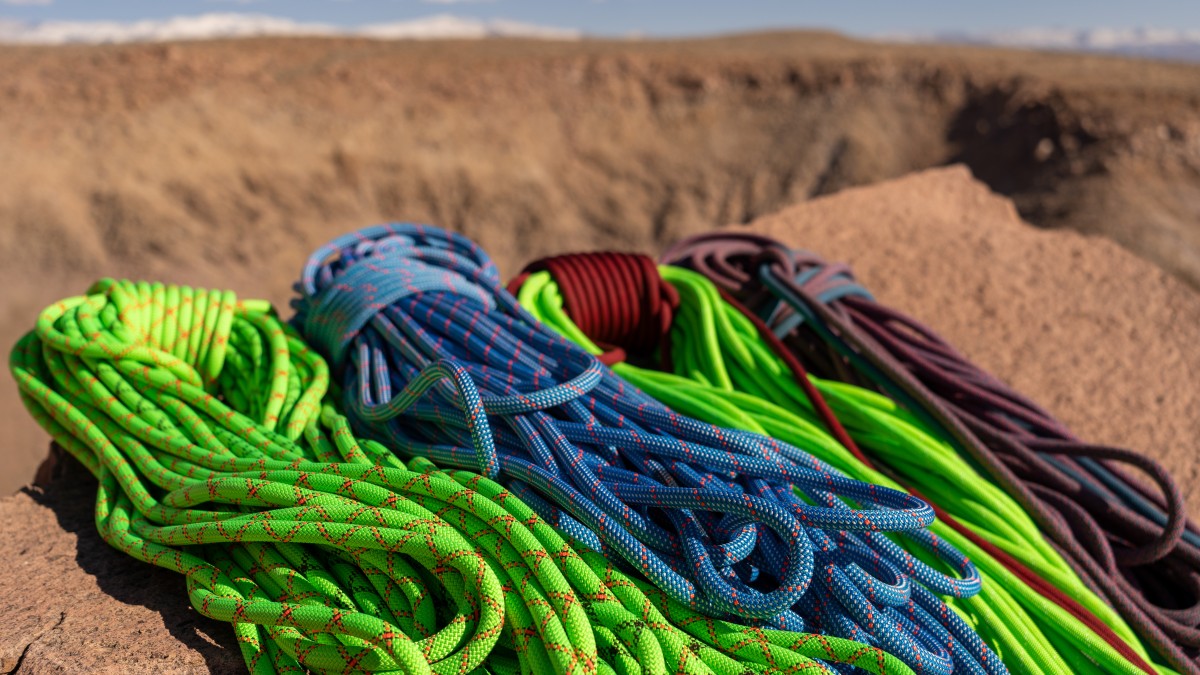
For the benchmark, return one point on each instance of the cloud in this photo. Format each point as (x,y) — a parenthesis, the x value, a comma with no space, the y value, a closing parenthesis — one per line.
(447,26)
(1096,39)
(235,25)
(26,3)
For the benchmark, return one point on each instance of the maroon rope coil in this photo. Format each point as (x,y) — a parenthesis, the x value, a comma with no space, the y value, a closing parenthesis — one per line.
(617,299)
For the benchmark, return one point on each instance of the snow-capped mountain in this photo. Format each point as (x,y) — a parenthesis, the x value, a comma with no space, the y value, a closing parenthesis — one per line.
(1169,43)
(236,25)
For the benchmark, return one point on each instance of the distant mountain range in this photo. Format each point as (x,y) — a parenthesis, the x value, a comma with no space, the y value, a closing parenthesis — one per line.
(237,25)
(1160,43)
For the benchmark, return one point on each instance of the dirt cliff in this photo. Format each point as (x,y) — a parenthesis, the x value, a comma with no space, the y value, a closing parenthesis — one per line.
(223,163)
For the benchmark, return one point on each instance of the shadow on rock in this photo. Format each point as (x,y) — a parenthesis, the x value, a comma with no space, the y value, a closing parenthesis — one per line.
(66,488)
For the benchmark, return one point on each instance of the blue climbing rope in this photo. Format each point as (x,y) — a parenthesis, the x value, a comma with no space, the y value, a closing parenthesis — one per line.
(437,359)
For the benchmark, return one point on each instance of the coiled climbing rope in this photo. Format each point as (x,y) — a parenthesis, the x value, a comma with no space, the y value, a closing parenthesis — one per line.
(202,419)
(438,359)
(204,422)
(1133,544)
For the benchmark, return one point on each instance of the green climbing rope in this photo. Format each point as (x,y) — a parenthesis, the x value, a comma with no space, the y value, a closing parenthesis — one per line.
(724,374)
(203,420)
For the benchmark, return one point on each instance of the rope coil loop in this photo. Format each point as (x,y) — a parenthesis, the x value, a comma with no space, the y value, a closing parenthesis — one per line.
(617,299)
(137,381)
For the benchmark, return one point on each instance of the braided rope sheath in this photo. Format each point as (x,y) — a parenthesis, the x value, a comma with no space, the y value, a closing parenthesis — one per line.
(201,418)
(732,379)
(1132,544)
(722,521)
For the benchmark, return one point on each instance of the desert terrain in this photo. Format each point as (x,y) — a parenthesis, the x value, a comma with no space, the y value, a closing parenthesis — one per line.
(223,163)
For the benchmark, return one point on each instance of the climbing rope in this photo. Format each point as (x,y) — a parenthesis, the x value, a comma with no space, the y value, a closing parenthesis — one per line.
(1133,544)
(202,419)
(438,359)
(732,379)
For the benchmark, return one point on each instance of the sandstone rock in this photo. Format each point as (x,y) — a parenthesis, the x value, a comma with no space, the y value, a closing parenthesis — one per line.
(72,604)
(1103,339)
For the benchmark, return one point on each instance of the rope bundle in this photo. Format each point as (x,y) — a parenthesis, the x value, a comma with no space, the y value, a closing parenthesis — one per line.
(417,320)
(619,301)
(732,378)
(129,379)
(201,418)
(553,517)
(1131,543)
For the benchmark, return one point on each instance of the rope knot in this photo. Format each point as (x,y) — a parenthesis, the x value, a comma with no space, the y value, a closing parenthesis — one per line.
(351,279)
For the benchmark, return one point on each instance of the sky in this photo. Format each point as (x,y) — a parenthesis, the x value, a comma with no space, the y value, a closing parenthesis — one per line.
(663,17)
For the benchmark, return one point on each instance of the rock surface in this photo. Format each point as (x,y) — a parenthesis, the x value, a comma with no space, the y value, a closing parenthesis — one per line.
(72,604)
(1103,338)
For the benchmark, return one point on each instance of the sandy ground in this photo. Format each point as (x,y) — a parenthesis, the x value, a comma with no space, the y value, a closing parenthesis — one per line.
(1103,338)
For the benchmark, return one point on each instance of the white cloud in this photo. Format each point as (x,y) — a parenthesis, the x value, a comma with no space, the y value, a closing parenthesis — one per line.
(507,28)
(234,25)
(1096,39)
(178,28)
(447,26)
(19,3)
